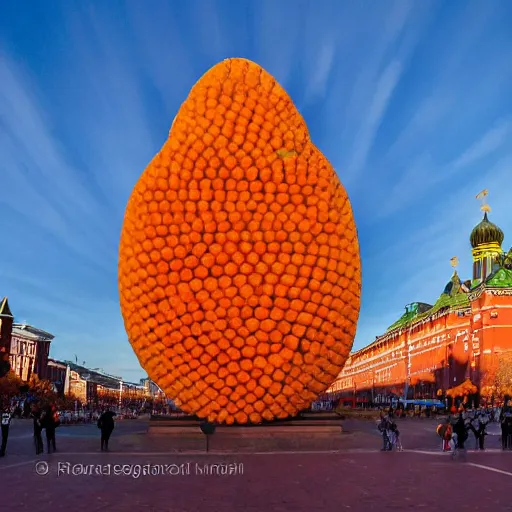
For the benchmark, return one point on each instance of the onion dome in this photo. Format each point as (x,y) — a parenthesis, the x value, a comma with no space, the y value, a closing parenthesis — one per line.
(486,233)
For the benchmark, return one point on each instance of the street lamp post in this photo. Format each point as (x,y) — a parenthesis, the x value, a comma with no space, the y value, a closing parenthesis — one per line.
(373,387)
(86,377)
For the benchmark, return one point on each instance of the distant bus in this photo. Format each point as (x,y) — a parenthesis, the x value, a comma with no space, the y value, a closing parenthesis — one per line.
(321,405)
(419,402)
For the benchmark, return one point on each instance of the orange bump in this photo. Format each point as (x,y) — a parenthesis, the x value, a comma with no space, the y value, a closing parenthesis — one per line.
(239,271)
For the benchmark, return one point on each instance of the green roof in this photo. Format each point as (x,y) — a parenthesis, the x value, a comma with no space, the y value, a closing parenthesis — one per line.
(453,297)
(502,278)
(445,300)
(457,301)
(404,320)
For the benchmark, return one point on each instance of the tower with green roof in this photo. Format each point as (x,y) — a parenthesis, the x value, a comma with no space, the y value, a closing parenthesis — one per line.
(486,239)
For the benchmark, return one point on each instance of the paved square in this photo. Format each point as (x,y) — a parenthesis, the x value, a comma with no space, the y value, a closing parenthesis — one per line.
(360,478)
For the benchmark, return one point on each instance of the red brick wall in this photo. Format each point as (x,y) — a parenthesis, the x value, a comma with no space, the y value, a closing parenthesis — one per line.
(442,352)
(492,330)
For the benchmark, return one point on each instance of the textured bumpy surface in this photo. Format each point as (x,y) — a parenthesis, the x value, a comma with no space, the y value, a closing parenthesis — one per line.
(239,268)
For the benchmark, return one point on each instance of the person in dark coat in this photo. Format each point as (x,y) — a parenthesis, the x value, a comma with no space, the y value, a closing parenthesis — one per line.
(506,426)
(49,423)
(106,425)
(481,432)
(383,427)
(460,429)
(38,431)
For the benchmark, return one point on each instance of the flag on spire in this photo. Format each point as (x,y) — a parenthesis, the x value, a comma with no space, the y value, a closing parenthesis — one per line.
(481,196)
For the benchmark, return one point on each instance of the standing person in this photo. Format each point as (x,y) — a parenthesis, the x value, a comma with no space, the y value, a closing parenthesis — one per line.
(483,420)
(504,428)
(106,425)
(49,423)
(508,421)
(38,430)
(460,429)
(506,425)
(474,426)
(5,423)
(383,429)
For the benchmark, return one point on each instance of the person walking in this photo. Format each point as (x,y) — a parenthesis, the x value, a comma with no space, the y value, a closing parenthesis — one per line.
(504,429)
(460,429)
(106,425)
(483,420)
(38,431)
(383,426)
(5,424)
(474,426)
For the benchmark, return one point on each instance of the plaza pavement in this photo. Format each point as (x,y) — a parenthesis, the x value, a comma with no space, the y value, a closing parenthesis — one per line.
(358,478)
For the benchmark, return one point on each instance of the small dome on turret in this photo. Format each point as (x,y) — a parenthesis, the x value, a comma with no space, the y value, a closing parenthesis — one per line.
(486,233)
(455,286)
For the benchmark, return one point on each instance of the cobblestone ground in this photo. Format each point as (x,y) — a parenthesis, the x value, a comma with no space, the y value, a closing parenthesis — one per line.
(358,478)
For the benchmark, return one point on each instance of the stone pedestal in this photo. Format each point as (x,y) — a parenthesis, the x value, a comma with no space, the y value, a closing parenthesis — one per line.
(306,433)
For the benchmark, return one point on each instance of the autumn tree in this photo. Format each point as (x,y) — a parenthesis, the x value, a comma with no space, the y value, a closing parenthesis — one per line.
(10,386)
(40,387)
(498,377)
(504,375)
(67,402)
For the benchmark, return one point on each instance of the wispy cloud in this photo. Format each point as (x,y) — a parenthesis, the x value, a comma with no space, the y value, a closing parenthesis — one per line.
(491,141)
(366,134)
(426,115)
(321,72)
(51,194)
(416,265)
(413,112)
(426,176)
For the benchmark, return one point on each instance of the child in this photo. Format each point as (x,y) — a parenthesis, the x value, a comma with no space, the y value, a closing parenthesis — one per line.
(445,433)
(395,436)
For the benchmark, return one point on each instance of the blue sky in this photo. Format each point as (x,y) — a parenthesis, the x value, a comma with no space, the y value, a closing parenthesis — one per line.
(410,101)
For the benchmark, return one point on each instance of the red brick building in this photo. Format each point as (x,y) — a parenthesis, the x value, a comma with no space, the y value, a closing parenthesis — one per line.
(30,349)
(26,347)
(433,348)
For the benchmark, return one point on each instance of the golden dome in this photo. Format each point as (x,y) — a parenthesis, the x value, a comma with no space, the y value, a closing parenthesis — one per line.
(485,233)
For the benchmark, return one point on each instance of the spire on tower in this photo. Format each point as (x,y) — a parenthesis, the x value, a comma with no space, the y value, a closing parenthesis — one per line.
(482,197)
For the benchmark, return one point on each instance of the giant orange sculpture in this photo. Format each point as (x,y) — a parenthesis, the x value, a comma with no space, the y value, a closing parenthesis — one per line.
(239,267)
